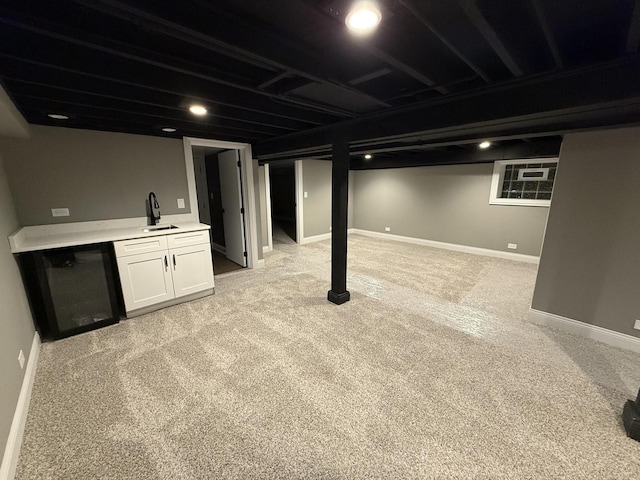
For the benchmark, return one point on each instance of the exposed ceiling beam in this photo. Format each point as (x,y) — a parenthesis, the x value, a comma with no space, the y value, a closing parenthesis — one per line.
(477,17)
(413,8)
(147,59)
(166,27)
(260,110)
(370,76)
(546,103)
(633,37)
(404,68)
(169,119)
(536,149)
(548,34)
(274,79)
(108,100)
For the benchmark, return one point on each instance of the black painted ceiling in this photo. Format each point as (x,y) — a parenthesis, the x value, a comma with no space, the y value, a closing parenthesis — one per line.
(268,70)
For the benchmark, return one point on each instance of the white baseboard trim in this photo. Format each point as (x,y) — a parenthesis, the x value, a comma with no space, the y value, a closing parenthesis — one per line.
(219,248)
(266,249)
(14,442)
(450,246)
(315,238)
(260,263)
(594,332)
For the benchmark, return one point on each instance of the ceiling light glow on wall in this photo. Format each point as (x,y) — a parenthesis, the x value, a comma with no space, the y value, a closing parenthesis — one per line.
(168,129)
(363,17)
(368,156)
(484,145)
(57,116)
(198,110)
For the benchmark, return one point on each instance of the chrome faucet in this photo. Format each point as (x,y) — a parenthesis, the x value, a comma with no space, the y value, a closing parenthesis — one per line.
(153,206)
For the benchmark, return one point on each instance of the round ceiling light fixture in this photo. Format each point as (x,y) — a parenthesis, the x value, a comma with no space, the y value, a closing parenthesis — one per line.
(57,116)
(368,156)
(168,129)
(484,145)
(198,110)
(363,17)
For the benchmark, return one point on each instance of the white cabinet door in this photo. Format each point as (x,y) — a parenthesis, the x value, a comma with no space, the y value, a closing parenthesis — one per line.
(192,269)
(146,279)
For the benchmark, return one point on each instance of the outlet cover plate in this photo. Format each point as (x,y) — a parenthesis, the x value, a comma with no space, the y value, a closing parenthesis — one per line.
(181,203)
(387,229)
(637,325)
(59,212)
(512,246)
(21,359)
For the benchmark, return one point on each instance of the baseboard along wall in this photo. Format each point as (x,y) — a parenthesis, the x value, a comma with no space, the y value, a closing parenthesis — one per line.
(14,442)
(594,332)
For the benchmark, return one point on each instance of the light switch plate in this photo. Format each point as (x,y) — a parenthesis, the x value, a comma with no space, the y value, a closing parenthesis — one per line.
(181,203)
(59,212)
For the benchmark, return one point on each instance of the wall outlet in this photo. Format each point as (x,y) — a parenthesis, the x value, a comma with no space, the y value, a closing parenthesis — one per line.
(512,246)
(637,325)
(21,359)
(387,229)
(59,212)
(305,195)
(181,203)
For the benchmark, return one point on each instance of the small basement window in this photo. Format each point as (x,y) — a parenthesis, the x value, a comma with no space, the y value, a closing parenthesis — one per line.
(523,182)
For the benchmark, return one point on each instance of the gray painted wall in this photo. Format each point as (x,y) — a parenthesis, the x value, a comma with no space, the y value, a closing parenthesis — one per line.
(16,324)
(97,175)
(590,263)
(446,204)
(316,181)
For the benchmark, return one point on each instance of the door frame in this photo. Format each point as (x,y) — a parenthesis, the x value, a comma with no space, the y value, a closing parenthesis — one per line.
(267,193)
(248,190)
(299,199)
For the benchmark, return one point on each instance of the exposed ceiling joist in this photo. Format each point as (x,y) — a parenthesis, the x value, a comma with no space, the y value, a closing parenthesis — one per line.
(548,34)
(633,37)
(413,8)
(476,16)
(148,59)
(536,149)
(188,35)
(548,102)
(370,76)
(259,111)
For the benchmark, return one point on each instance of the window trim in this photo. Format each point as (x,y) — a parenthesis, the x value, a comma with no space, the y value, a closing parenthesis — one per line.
(498,176)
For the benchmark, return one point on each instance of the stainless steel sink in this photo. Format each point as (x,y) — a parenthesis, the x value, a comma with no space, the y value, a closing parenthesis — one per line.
(157,228)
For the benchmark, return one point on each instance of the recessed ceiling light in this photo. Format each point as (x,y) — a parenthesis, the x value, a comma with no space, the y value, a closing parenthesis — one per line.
(57,116)
(198,110)
(368,156)
(168,129)
(484,145)
(363,17)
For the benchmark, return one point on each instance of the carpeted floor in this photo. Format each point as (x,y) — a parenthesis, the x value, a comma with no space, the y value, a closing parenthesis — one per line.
(430,371)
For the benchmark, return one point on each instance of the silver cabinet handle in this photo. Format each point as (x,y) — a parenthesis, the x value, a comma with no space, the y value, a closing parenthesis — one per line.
(174,262)
(166,264)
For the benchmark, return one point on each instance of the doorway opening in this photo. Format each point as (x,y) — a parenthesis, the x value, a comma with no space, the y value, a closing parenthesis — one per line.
(221,190)
(282,176)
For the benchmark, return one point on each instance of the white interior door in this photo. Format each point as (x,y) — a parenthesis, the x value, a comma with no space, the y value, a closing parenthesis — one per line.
(231,191)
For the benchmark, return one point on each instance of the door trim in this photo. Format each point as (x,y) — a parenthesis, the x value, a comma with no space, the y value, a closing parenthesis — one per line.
(248,190)
(299,201)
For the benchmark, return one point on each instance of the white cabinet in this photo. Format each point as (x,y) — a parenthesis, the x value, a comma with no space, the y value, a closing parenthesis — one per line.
(155,270)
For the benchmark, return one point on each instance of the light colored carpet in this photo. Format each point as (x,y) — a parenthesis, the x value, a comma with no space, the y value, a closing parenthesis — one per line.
(430,371)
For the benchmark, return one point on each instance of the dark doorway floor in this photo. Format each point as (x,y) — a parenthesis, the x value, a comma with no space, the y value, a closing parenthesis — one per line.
(222,264)
(288,227)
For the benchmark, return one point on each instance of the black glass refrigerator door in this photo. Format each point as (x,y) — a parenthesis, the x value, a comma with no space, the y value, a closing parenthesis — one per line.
(76,289)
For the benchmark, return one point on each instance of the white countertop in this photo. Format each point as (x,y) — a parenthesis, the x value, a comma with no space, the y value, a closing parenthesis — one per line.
(43,237)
